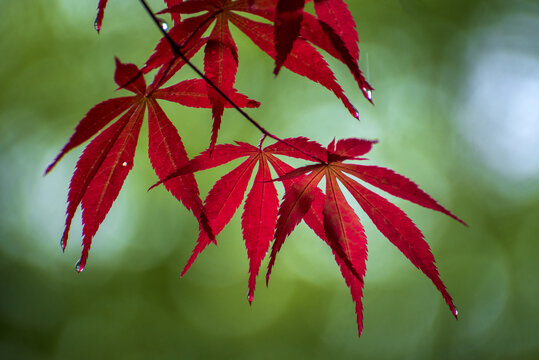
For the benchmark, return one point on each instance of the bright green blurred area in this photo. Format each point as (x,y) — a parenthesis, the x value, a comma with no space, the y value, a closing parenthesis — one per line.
(457,110)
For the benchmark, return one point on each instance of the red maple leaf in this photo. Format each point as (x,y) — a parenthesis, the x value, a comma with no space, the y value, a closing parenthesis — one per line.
(221,54)
(334,221)
(260,210)
(106,161)
(329,214)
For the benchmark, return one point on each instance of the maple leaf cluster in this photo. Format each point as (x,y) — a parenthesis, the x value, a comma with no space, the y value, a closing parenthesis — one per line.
(291,36)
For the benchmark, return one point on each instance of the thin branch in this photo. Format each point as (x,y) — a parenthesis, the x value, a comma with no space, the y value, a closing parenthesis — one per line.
(178,53)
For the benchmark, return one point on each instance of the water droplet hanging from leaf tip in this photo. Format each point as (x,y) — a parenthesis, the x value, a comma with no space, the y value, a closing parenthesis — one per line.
(368,92)
(79,267)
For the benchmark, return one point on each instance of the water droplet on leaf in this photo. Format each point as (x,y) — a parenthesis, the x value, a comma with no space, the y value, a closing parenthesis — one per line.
(356,114)
(368,92)
(124,163)
(79,267)
(163,24)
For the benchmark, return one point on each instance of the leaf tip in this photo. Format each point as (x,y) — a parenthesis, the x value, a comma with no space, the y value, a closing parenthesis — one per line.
(155,185)
(455,311)
(253,104)
(268,276)
(54,162)
(459,220)
(63,243)
(79,266)
(356,112)
(97,25)
(49,168)
(277,69)
(367,92)
(250,297)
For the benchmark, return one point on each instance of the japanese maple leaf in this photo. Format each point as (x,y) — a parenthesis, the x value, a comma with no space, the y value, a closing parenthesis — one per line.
(333,30)
(221,54)
(106,161)
(333,219)
(103,4)
(259,216)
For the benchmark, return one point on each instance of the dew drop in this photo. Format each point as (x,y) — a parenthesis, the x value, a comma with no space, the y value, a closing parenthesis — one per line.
(63,243)
(124,163)
(79,267)
(368,92)
(356,113)
(250,296)
(456,311)
(163,24)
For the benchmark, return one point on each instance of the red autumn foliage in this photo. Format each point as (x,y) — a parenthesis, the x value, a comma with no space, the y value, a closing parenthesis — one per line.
(291,36)
(106,161)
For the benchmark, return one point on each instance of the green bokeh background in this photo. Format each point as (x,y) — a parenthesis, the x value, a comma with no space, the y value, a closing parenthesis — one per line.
(457,110)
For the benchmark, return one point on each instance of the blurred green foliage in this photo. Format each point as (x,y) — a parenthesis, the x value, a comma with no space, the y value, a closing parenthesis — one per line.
(457,89)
